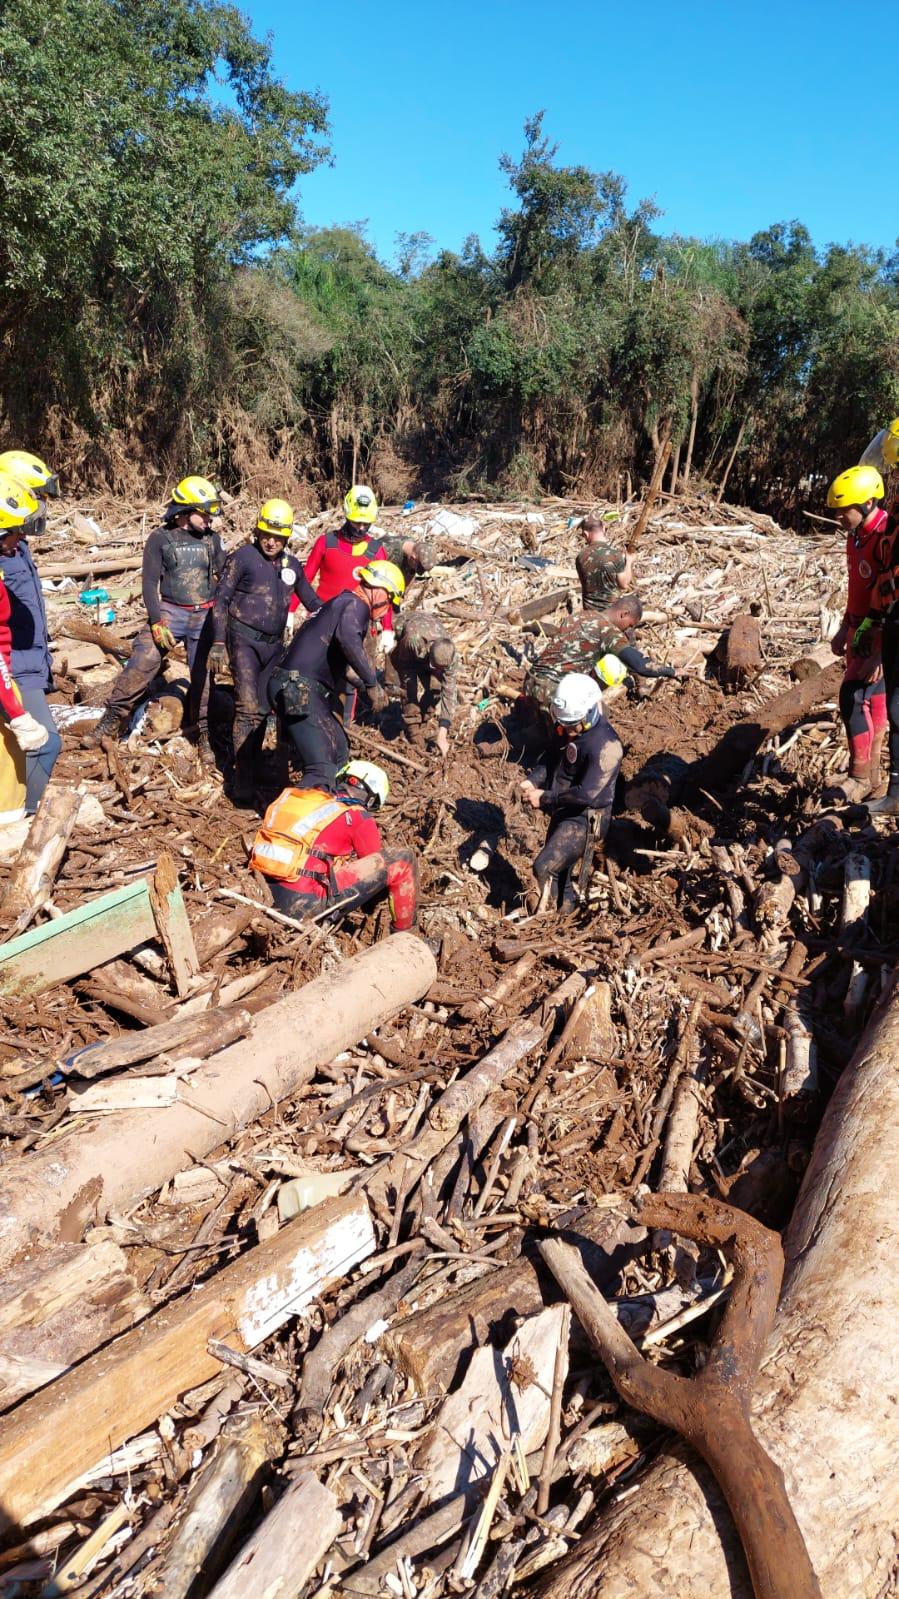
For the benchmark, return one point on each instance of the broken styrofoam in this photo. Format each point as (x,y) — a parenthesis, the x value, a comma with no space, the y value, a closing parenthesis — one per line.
(301,1193)
(455,526)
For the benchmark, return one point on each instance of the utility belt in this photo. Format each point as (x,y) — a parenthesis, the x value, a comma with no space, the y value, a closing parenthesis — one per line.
(254,634)
(298,694)
(180,606)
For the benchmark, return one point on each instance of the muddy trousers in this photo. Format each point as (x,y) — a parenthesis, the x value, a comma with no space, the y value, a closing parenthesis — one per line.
(193,628)
(318,744)
(863,709)
(560,856)
(417,696)
(249,660)
(357,882)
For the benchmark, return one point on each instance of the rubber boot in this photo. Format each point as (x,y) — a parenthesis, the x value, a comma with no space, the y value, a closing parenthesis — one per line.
(243,785)
(889,805)
(205,751)
(110,725)
(858,784)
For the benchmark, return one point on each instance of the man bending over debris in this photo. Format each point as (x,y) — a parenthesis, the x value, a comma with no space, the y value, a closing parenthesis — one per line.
(258,587)
(575,784)
(593,641)
(602,568)
(181,566)
(322,851)
(425,665)
(308,685)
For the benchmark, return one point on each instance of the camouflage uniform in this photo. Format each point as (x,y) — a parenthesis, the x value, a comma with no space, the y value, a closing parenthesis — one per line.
(424,664)
(393,551)
(579,644)
(598,565)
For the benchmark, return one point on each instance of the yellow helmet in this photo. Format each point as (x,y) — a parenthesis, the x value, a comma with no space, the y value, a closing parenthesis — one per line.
(383,575)
(360,504)
(610,670)
(17,503)
(856,486)
(197,494)
(30,471)
(890,444)
(275,516)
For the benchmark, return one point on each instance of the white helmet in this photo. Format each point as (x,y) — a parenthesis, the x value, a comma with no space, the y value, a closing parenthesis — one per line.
(370,777)
(577,699)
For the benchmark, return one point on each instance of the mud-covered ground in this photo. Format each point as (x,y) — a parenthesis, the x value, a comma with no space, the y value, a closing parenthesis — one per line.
(715,1007)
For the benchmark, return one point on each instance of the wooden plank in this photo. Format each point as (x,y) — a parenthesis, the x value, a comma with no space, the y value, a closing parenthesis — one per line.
(52,1440)
(77,942)
(172,923)
(98,931)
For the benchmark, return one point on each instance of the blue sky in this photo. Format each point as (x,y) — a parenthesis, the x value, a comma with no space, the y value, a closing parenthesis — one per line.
(730,116)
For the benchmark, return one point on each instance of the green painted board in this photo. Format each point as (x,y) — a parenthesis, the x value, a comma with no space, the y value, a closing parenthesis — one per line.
(96,932)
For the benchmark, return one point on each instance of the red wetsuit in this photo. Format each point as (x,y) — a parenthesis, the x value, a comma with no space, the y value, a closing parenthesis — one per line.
(336,557)
(863,694)
(346,865)
(9,699)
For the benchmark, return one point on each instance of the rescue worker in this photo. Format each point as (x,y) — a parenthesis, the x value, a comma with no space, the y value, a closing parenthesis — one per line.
(308,684)
(259,585)
(414,557)
(574,783)
(21,734)
(30,649)
(322,850)
(603,569)
(585,640)
(182,562)
(336,557)
(424,663)
(854,495)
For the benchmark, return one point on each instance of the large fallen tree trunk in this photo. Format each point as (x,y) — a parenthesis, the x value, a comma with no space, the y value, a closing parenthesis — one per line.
(825,1405)
(54,1194)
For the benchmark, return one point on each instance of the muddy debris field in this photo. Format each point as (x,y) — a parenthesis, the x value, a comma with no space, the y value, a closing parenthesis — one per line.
(183,1387)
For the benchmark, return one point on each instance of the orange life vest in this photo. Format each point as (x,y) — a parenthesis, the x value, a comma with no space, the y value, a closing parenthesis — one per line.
(290,828)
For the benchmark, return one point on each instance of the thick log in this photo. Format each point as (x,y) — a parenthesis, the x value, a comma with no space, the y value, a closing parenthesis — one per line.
(52,1440)
(38,861)
(825,1404)
(741,653)
(275,1562)
(741,741)
(52,1194)
(105,638)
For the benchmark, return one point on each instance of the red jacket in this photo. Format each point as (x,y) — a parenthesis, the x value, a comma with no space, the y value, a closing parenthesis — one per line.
(9,699)
(354,833)
(867,557)
(335,558)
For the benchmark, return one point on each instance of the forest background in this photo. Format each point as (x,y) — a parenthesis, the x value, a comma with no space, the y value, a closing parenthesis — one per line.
(163,308)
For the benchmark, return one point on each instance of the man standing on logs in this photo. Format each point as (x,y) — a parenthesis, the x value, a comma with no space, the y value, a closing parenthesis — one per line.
(863,706)
(321,850)
(181,566)
(574,783)
(588,639)
(259,585)
(602,568)
(308,685)
(424,664)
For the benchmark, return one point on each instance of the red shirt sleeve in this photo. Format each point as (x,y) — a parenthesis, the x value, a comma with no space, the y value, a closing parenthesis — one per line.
(314,558)
(9,699)
(364,833)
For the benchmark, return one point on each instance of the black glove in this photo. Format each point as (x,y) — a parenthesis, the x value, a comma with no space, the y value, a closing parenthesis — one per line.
(379,697)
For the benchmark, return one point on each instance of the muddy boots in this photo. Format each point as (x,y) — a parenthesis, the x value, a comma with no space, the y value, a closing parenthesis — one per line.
(242,787)
(110,725)
(889,805)
(858,784)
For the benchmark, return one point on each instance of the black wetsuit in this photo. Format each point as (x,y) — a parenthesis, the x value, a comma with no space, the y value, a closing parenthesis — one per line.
(309,681)
(578,777)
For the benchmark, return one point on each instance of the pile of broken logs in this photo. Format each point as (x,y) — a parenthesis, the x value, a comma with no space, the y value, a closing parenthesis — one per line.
(335,1265)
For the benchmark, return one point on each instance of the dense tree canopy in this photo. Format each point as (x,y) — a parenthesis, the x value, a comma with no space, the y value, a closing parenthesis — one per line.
(162,305)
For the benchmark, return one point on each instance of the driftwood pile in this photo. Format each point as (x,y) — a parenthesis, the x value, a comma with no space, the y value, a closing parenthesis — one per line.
(309,1240)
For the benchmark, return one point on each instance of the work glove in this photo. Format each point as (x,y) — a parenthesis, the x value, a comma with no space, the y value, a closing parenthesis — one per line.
(163,637)
(388,641)
(218,658)
(838,642)
(379,697)
(28,733)
(863,638)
